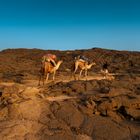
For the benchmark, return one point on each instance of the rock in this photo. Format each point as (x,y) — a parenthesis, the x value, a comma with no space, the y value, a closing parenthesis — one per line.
(3,114)
(114,116)
(137,89)
(71,115)
(104,90)
(104,128)
(103,107)
(98,109)
(87,127)
(83,137)
(135,113)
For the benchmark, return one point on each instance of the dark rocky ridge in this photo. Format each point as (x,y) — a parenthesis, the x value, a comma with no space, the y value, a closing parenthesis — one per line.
(23,62)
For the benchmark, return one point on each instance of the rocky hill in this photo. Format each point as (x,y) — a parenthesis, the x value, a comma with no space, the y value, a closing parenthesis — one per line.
(93,109)
(26,62)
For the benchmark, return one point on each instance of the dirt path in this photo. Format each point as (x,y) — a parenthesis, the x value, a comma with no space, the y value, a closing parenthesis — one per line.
(31,87)
(68,79)
(59,98)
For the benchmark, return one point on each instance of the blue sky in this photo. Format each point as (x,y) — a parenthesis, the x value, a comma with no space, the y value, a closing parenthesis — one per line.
(70,24)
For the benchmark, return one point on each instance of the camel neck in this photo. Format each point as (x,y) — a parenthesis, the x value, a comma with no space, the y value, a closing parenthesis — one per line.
(89,66)
(58,64)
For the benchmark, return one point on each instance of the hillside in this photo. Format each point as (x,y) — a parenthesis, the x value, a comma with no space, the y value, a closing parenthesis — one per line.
(68,109)
(26,62)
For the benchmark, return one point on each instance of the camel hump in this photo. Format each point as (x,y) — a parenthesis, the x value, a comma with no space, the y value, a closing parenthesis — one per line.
(48,57)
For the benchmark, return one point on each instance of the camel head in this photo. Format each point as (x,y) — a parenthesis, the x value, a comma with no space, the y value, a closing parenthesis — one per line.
(93,63)
(58,64)
(90,65)
(60,61)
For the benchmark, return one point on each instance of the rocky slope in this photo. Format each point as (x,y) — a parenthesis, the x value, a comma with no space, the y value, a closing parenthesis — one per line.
(69,110)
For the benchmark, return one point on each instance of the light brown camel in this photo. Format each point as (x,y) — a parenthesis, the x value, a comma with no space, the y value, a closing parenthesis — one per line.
(83,66)
(46,69)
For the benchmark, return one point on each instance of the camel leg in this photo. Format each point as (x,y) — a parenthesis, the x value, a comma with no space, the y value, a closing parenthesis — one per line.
(86,74)
(74,76)
(47,77)
(54,75)
(75,70)
(76,67)
(80,73)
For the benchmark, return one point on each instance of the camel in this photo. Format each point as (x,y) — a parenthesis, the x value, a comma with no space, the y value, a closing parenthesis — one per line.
(83,66)
(46,69)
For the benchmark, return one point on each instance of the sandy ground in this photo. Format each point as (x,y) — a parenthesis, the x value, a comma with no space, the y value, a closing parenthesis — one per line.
(32,85)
